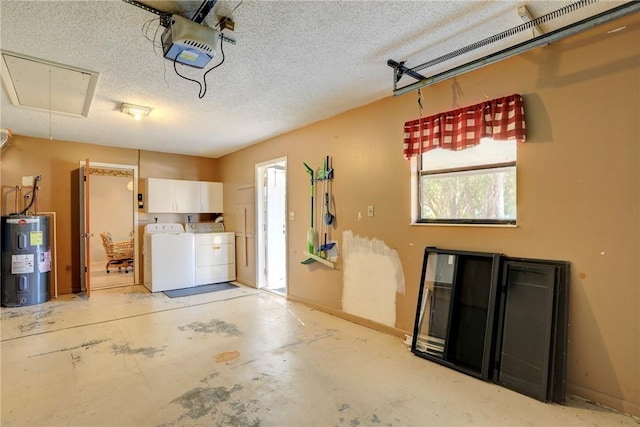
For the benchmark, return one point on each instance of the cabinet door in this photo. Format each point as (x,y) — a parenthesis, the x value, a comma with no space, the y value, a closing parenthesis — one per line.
(187,196)
(211,197)
(527,328)
(161,195)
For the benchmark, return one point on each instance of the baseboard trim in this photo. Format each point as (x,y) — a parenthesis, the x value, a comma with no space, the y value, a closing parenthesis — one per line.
(604,400)
(351,318)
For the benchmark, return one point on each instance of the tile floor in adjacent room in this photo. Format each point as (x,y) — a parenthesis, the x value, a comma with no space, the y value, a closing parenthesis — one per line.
(239,357)
(100,279)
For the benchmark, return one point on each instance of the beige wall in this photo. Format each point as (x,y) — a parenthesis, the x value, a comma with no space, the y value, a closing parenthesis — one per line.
(58,162)
(578,193)
(578,189)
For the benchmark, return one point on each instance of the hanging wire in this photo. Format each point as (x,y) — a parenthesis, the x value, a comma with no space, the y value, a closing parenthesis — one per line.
(146,28)
(203,88)
(237,6)
(228,15)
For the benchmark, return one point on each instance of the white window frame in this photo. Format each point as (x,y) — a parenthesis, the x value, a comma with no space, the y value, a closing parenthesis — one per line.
(416,175)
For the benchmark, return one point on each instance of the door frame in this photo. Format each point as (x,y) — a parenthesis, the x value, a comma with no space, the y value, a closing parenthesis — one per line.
(134,195)
(261,224)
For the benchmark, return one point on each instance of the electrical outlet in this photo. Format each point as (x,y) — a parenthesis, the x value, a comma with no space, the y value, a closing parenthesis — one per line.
(370,210)
(27,181)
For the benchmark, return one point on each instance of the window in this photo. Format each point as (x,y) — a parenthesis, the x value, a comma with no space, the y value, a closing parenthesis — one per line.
(472,186)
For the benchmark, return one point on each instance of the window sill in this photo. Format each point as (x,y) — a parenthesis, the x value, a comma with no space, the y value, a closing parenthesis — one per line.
(442,224)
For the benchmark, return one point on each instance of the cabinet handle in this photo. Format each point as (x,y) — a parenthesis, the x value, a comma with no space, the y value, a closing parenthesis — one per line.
(215,247)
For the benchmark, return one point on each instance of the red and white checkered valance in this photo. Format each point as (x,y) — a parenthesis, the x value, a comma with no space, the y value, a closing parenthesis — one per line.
(500,119)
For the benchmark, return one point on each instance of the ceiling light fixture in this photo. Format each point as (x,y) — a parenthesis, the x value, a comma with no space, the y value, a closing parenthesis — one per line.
(135,111)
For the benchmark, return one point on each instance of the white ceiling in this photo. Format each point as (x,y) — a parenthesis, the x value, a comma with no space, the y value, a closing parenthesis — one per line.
(294,63)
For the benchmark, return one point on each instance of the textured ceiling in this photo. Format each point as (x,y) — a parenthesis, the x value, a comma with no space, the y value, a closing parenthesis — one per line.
(294,63)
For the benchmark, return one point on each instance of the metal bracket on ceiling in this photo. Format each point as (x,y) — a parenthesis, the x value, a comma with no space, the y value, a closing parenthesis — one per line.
(400,70)
(165,17)
(226,39)
(200,15)
(203,11)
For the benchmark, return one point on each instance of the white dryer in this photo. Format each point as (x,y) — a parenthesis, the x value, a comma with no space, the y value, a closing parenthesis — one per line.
(169,256)
(215,259)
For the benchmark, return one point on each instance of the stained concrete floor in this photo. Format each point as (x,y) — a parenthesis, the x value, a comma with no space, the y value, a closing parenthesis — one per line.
(237,357)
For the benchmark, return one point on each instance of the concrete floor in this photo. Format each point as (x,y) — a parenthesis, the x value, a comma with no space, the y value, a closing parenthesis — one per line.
(237,357)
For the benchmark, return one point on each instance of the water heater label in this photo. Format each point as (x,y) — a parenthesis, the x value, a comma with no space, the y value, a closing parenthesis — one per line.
(44,262)
(22,264)
(35,238)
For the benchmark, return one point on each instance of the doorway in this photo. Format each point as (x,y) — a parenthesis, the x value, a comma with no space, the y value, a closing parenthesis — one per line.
(271,183)
(111,219)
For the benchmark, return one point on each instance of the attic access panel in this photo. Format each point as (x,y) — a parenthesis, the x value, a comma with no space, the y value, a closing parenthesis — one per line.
(49,86)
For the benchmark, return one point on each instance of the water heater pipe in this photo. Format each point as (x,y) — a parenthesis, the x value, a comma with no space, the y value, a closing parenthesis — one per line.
(15,188)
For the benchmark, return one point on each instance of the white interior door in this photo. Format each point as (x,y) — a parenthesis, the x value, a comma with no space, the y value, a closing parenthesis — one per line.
(271,210)
(275,248)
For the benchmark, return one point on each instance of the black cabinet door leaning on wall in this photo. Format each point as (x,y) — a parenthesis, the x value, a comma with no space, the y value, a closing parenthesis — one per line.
(496,318)
(532,337)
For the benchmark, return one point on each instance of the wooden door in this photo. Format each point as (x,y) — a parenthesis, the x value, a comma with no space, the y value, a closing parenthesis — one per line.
(85,233)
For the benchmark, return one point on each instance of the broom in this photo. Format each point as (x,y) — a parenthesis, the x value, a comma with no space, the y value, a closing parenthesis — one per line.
(311,234)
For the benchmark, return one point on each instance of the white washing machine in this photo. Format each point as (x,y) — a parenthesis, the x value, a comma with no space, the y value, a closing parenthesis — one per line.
(215,259)
(169,256)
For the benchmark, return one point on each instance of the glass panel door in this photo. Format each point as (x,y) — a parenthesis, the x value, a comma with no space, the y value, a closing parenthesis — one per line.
(456,310)
(436,304)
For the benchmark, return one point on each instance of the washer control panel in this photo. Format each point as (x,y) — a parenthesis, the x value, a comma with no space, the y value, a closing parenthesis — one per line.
(205,227)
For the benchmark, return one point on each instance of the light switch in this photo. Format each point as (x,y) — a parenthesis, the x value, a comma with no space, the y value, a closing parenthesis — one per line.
(292,216)
(27,181)
(370,210)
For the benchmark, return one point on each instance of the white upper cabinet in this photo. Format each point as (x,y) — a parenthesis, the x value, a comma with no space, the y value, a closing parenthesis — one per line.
(188,197)
(161,195)
(210,197)
(179,196)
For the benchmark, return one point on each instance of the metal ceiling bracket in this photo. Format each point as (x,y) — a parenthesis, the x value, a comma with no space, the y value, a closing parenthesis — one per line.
(559,34)
(400,70)
(226,39)
(165,17)
(203,11)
